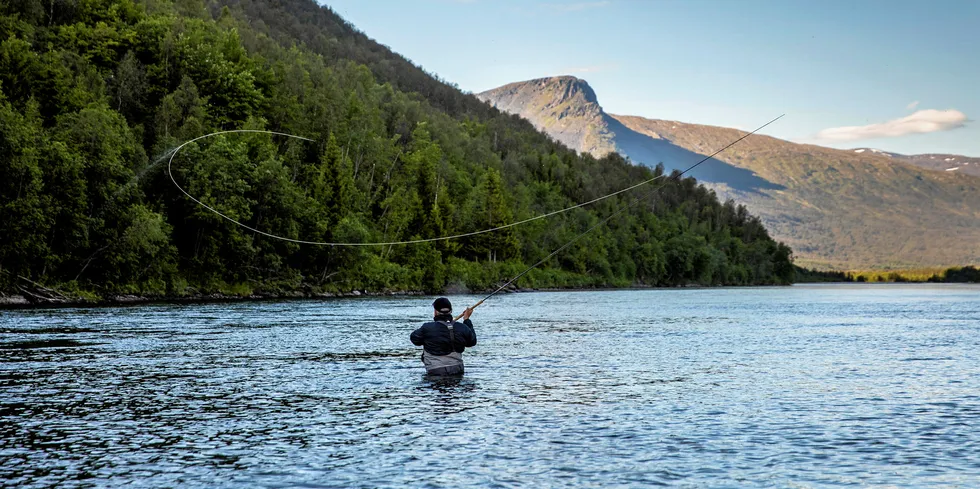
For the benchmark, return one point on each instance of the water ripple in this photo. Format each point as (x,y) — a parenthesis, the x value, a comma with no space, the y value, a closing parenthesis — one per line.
(755,387)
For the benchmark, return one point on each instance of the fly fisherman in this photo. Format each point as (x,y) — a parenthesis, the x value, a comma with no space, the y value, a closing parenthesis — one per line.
(444,340)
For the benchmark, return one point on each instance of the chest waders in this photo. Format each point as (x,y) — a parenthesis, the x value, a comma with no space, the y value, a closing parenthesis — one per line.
(451,364)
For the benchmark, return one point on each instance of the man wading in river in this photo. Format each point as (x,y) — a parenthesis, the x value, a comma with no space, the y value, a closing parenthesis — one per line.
(444,340)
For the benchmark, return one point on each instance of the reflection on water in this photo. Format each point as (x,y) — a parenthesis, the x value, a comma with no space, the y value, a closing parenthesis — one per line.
(808,386)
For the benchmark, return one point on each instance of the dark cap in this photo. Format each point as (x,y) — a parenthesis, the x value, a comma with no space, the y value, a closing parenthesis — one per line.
(443,305)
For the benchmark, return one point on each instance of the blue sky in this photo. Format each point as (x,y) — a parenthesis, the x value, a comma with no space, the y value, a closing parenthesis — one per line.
(899,76)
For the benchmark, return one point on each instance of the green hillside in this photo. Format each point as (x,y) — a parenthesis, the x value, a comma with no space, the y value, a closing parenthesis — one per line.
(94,93)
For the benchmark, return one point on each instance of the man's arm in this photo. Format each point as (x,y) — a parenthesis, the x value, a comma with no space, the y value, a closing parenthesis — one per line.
(470,339)
(418,337)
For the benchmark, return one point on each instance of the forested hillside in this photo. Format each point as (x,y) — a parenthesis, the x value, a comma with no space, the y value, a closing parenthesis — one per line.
(94,94)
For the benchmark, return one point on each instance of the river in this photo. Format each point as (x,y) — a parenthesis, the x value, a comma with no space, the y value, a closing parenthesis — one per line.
(873,385)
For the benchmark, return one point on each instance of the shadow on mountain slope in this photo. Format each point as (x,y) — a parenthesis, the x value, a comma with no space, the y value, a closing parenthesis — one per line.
(649,151)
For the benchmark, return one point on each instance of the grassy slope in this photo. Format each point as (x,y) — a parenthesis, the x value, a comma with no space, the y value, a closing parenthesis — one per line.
(842,209)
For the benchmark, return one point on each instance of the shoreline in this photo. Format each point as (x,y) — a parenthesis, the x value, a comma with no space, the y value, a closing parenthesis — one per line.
(19,302)
(10,302)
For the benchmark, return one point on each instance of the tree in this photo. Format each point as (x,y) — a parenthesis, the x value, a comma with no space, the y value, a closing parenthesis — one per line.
(129,87)
(331,184)
(181,114)
(24,221)
(143,257)
(493,211)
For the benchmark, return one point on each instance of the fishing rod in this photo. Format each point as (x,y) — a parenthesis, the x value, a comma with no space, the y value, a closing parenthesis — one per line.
(610,216)
(176,150)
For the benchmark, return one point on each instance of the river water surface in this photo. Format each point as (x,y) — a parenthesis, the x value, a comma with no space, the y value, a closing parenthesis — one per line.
(803,386)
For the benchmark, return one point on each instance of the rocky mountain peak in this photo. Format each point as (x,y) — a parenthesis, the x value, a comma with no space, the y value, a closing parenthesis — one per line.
(563,106)
(567,88)
(557,89)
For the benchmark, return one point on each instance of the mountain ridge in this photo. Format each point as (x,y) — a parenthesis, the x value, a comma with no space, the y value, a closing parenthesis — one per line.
(549,104)
(837,208)
(932,161)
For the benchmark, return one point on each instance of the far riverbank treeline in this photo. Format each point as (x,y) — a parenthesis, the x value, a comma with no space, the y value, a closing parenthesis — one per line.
(968,274)
(94,93)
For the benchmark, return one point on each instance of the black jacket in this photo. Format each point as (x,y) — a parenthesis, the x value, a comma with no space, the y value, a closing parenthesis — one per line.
(434,336)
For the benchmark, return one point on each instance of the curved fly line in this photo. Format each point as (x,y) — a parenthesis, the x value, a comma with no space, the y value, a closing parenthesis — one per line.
(386,243)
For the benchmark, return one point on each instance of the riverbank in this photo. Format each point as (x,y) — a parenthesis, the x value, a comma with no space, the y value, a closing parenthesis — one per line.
(16,301)
(24,302)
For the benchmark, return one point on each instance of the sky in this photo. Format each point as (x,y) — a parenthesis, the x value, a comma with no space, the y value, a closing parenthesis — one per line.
(893,75)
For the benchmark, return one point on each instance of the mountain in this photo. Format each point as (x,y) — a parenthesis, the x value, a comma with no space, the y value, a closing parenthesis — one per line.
(95,96)
(844,209)
(566,108)
(932,161)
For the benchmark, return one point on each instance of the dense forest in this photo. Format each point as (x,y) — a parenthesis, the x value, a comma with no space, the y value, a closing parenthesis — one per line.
(95,94)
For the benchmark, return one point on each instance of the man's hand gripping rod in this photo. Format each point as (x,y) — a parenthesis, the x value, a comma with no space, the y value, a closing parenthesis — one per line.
(474,306)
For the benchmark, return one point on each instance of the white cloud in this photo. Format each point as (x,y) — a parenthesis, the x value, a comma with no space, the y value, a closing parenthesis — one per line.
(923,121)
(912,105)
